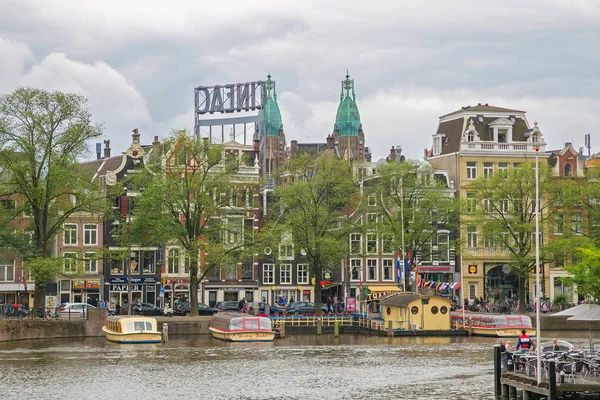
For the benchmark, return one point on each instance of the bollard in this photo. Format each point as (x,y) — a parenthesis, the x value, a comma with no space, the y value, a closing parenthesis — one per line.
(526,395)
(470,327)
(552,392)
(336,329)
(504,392)
(319,326)
(390,330)
(512,392)
(165,333)
(282,329)
(497,370)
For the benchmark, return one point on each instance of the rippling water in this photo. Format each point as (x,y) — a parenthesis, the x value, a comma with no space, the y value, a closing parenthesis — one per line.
(297,367)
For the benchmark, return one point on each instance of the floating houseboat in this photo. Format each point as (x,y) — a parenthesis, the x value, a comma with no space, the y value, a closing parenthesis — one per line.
(240,327)
(498,325)
(132,330)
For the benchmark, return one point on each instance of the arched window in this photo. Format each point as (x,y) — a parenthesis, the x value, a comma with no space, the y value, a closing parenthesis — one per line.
(568,169)
(470,137)
(173,261)
(535,138)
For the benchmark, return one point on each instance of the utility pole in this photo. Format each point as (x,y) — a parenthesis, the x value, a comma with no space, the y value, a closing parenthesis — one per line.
(402,233)
(128,256)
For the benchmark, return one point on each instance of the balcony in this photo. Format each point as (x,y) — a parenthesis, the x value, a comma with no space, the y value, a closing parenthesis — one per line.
(493,146)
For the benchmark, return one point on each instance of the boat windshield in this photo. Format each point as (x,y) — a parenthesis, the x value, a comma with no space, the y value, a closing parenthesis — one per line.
(137,326)
(265,323)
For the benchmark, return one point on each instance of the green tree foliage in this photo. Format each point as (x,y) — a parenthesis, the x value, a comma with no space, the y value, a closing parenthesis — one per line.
(180,203)
(409,190)
(586,274)
(42,135)
(503,207)
(313,204)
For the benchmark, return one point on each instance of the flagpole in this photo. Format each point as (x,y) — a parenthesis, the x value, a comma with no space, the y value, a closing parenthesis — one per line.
(462,290)
(402,234)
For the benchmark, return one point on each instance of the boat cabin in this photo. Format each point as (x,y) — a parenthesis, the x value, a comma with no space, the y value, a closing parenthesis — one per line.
(240,323)
(410,311)
(492,321)
(128,325)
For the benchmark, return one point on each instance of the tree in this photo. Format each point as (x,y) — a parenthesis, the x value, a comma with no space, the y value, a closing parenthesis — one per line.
(413,206)
(180,203)
(312,205)
(586,274)
(42,135)
(503,206)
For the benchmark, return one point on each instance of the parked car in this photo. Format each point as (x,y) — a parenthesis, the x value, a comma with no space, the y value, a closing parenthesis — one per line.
(74,309)
(146,309)
(227,306)
(203,309)
(304,307)
(273,310)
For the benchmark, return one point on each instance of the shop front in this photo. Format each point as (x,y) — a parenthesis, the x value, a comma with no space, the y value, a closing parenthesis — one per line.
(212,294)
(176,291)
(143,290)
(80,291)
(16,292)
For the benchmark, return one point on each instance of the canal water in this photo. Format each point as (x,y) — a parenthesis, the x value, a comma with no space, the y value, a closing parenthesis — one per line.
(297,367)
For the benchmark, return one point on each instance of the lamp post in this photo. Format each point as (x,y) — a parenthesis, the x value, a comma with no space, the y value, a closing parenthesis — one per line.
(538,349)
(129,255)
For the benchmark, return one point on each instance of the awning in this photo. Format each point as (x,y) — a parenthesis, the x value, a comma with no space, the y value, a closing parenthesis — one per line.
(380,292)
(16,287)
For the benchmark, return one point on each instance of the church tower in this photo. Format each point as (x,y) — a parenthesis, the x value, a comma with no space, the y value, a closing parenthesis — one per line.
(269,137)
(347,130)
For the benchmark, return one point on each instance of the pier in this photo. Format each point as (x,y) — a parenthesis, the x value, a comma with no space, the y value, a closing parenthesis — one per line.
(564,375)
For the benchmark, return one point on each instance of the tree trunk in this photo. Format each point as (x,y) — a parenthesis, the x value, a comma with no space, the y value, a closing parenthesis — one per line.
(194,285)
(39,295)
(522,295)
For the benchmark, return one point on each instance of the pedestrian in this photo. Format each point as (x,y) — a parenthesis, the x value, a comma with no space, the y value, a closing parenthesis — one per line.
(502,347)
(329,304)
(291,300)
(524,342)
(118,309)
(508,346)
(241,304)
(555,346)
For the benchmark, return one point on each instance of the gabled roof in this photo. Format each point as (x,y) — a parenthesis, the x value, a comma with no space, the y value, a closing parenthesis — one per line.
(483,108)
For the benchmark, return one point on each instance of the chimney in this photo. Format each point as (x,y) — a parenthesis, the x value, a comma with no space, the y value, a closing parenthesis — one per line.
(567,144)
(205,141)
(330,142)
(293,148)
(136,135)
(393,154)
(156,142)
(107,149)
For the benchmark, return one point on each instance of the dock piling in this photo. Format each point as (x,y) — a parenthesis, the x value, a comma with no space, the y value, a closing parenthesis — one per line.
(553,395)
(319,326)
(390,330)
(497,370)
(336,329)
(165,333)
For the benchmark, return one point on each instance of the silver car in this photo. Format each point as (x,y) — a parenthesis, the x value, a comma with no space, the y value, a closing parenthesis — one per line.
(74,310)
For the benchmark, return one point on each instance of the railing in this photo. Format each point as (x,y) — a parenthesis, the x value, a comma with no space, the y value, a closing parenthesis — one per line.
(9,311)
(503,146)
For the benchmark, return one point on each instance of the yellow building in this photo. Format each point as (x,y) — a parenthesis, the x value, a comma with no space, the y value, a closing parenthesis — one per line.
(412,311)
(479,141)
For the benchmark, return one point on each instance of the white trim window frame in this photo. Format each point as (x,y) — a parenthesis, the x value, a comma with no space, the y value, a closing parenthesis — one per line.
(90,234)
(173,261)
(69,262)
(355,243)
(471,170)
(355,269)
(472,237)
(371,243)
(372,274)
(488,170)
(285,274)
(90,263)
(302,274)
(70,234)
(388,265)
(268,274)
(7,270)
(443,246)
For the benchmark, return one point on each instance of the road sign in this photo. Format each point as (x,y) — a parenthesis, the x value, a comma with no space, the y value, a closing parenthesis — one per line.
(162,292)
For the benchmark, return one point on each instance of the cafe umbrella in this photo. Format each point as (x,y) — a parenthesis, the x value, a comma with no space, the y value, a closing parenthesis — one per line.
(590,316)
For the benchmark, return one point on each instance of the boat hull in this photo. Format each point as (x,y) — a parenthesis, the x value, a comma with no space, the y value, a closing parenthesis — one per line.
(133,337)
(242,336)
(503,333)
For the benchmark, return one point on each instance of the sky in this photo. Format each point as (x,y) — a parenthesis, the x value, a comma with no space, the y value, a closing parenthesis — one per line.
(412,61)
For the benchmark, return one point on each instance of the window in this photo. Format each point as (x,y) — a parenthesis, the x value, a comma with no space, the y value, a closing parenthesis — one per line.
(488,241)
(371,220)
(502,135)
(472,237)
(70,262)
(355,269)
(568,170)
(372,269)
(443,242)
(90,263)
(70,234)
(186,265)
(247,271)
(480,119)
(504,241)
(286,251)
(285,274)
(355,243)
(577,224)
(90,234)
(559,224)
(233,230)
(487,206)
(268,273)
(503,169)
(504,205)
(471,205)
(488,170)
(472,290)
(302,273)
(388,269)
(372,200)
(371,243)
(149,262)
(471,170)
(231,272)
(387,243)
(7,204)
(470,136)
(7,270)
(214,274)
(173,261)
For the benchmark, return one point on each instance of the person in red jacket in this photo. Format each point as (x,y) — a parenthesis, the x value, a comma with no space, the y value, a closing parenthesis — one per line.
(524,342)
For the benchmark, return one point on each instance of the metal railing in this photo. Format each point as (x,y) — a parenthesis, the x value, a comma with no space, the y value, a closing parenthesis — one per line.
(9,311)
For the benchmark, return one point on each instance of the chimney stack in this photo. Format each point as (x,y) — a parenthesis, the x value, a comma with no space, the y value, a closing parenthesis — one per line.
(136,135)
(393,154)
(107,149)
(330,142)
(156,142)
(293,148)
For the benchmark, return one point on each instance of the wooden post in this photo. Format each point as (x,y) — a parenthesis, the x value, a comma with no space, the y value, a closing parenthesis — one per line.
(282,328)
(504,392)
(165,333)
(512,392)
(319,326)
(526,395)
(470,324)
(390,330)
(336,329)
(552,392)
(497,370)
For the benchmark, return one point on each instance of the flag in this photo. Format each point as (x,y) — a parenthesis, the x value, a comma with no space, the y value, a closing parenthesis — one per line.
(399,268)
(25,281)
(407,264)
(457,286)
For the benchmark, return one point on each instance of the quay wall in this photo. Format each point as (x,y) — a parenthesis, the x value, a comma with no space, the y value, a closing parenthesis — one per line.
(550,323)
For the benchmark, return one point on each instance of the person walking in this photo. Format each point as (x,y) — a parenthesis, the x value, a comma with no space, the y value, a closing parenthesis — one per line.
(524,342)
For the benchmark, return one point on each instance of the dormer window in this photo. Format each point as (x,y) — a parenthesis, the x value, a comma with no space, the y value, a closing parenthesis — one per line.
(470,136)
(480,119)
(502,135)
(512,118)
(568,170)
(535,137)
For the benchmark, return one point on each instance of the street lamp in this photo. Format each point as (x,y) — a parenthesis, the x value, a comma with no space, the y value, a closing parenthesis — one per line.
(534,134)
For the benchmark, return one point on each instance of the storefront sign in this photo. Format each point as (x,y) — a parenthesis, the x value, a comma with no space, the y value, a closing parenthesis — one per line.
(123,288)
(351,304)
(143,279)
(233,288)
(472,269)
(150,288)
(118,280)
(92,284)
(149,279)
(434,268)
(78,284)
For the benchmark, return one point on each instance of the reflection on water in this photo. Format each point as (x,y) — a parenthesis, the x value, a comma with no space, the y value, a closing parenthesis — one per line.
(297,367)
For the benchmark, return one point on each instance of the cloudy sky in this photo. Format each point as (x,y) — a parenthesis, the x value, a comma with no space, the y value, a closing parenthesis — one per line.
(412,61)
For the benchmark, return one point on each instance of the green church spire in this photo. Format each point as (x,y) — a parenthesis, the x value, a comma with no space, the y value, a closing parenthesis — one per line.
(272,123)
(347,121)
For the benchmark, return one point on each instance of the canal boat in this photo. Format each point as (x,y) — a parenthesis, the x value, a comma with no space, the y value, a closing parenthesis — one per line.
(132,330)
(487,324)
(240,327)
